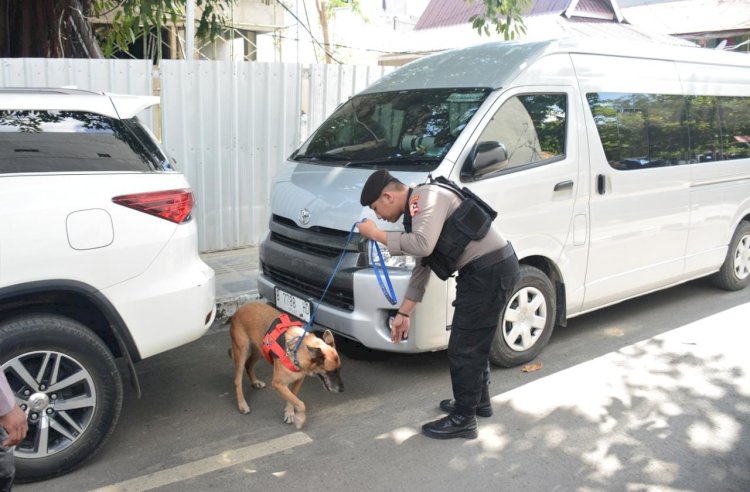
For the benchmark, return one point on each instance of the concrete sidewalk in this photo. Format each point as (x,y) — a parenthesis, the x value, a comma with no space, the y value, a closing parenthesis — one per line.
(236,279)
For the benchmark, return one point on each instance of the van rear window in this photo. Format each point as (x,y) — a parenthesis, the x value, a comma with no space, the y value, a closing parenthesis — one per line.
(75,141)
(640,131)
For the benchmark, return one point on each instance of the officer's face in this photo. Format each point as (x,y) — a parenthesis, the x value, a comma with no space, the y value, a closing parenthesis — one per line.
(386,207)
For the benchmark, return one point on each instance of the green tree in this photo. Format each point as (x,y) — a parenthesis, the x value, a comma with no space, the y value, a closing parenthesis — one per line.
(505,15)
(62,28)
(325,10)
(137,19)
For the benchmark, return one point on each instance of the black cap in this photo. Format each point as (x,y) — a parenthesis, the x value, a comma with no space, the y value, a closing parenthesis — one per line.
(374,186)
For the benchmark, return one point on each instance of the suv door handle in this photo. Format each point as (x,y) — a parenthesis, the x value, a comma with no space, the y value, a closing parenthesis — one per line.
(564,185)
(601,184)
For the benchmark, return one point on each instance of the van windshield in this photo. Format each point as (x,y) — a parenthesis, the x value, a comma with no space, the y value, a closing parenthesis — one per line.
(398,130)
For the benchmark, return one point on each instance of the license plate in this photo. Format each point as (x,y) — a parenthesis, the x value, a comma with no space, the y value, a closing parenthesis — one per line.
(293,305)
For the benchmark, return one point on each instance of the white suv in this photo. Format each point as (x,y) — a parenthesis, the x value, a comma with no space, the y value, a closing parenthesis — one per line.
(98,261)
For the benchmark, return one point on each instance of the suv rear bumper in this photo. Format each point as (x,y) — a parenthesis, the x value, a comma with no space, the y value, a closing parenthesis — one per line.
(172,303)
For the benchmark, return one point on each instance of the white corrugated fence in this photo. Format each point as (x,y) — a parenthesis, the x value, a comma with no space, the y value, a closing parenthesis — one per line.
(229,125)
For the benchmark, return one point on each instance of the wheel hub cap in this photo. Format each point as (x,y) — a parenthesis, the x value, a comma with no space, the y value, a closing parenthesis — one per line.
(742,258)
(525,319)
(38,402)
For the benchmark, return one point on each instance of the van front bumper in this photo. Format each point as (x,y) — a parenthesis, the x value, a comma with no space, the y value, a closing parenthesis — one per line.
(368,322)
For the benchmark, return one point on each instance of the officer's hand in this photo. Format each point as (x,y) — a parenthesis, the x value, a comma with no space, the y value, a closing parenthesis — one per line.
(14,423)
(399,328)
(367,228)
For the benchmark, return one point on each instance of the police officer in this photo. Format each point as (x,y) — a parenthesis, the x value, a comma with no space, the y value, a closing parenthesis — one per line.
(13,428)
(448,238)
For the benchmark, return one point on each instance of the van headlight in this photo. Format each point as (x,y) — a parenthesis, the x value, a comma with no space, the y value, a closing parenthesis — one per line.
(391,261)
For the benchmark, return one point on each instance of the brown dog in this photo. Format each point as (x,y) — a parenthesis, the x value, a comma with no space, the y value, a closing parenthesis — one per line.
(315,357)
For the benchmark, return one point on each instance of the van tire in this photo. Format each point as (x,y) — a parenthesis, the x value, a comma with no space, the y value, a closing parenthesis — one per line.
(509,348)
(69,351)
(735,271)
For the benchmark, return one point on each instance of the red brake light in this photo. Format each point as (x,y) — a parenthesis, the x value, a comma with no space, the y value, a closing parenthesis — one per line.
(172,205)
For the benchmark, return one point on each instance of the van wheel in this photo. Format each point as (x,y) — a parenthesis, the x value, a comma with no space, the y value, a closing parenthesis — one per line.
(526,321)
(67,382)
(735,272)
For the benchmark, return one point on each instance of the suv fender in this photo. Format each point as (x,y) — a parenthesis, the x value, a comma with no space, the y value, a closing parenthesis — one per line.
(46,296)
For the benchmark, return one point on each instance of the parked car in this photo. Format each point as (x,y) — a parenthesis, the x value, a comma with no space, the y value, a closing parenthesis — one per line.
(548,133)
(99,265)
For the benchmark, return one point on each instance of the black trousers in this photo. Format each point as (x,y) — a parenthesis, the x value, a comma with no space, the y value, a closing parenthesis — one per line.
(480,296)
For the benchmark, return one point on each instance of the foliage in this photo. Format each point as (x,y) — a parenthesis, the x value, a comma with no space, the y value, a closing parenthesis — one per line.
(134,19)
(505,15)
(355,5)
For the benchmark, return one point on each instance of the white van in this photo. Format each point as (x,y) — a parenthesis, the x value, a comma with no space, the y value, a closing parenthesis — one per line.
(617,170)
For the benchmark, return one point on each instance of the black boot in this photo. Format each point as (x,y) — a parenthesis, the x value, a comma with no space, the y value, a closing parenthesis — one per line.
(450,426)
(484,409)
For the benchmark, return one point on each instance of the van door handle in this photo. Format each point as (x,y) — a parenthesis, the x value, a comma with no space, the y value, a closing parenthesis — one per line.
(601,184)
(564,185)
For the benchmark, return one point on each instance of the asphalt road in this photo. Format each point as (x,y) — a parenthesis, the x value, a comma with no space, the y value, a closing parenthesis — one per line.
(650,394)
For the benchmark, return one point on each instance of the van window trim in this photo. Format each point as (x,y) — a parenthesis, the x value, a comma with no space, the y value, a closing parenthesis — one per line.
(570,91)
(466,177)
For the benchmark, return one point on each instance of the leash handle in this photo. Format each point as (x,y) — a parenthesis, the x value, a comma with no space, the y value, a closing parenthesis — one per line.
(389,293)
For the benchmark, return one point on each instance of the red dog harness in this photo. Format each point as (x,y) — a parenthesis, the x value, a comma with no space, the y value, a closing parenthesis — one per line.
(276,332)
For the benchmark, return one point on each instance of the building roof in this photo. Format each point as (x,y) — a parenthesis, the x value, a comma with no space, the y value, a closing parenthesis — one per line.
(442,13)
(445,25)
(698,17)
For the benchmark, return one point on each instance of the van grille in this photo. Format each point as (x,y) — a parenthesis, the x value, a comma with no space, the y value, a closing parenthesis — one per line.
(315,249)
(340,298)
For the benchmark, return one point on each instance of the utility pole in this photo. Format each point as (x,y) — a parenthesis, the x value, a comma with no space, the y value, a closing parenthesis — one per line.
(189,29)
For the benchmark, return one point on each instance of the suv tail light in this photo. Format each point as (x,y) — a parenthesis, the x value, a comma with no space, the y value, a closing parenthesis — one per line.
(172,205)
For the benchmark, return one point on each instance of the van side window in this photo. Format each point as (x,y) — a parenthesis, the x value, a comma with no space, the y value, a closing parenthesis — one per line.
(719,127)
(641,131)
(532,129)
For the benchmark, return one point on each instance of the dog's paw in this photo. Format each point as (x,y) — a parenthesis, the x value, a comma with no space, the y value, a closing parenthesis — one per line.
(288,416)
(244,408)
(258,384)
(299,420)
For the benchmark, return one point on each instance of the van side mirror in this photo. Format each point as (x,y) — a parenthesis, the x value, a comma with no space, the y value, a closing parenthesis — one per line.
(484,156)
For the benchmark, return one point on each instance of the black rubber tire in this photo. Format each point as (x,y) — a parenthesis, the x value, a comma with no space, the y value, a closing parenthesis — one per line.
(81,350)
(532,282)
(727,277)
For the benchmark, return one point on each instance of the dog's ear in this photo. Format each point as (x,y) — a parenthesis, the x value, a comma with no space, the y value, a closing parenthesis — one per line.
(328,338)
(316,355)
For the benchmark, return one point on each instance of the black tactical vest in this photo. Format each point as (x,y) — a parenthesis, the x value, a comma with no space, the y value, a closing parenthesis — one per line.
(471,221)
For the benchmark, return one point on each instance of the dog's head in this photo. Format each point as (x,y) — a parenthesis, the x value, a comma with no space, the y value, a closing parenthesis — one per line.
(324,361)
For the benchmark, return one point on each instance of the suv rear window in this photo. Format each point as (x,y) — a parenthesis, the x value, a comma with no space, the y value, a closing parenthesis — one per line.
(75,141)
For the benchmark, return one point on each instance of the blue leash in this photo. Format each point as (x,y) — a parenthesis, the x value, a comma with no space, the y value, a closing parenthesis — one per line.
(390,294)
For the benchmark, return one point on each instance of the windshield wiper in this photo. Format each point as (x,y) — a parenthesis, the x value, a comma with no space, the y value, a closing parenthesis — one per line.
(396,158)
(322,156)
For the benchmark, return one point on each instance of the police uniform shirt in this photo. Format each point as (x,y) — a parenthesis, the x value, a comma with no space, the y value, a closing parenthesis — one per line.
(430,206)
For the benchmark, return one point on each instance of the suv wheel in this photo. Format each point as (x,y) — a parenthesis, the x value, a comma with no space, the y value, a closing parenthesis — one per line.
(735,271)
(526,321)
(67,382)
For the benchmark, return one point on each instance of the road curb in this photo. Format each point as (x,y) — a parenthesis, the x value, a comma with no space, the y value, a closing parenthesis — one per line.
(227,306)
